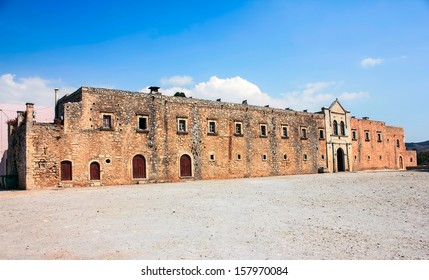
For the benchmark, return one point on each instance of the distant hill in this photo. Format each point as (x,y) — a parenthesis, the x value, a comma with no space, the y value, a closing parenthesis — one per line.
(419,147)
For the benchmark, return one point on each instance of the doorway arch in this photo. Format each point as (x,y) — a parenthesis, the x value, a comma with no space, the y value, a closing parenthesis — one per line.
(139,167)
(185,166)
(341,167)
(94,171)
(401,162)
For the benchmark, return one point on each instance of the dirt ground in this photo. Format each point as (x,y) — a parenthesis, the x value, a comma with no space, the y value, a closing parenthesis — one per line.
(365,215)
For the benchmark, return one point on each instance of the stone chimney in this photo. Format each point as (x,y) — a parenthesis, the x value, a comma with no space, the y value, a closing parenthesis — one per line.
(154,90)
(19,118)
(56,103)
(30,114)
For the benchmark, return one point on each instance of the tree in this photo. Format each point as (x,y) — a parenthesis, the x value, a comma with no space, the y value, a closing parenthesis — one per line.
(180,94)
(423,158)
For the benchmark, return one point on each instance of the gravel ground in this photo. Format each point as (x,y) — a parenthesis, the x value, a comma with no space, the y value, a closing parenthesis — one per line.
(365,215)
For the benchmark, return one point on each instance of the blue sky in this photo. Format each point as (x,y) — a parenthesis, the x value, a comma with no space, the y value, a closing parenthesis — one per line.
(372,55)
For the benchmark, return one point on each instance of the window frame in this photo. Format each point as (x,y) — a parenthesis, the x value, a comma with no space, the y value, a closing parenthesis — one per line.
(180,120)
(303,132)
(263,130)
(238,124)
(209,122)
(285,127)
(322,134)
(107,116)
(367,136)
(139,117)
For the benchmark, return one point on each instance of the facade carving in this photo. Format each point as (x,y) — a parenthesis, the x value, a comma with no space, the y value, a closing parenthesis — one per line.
(114,137)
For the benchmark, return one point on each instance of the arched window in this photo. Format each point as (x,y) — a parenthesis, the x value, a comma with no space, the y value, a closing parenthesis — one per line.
(343,129)
(94,171)
(66,170)
(139,167)
(185,166)
(335,128)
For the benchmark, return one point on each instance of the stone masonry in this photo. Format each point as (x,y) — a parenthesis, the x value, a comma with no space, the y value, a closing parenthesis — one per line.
(114,137)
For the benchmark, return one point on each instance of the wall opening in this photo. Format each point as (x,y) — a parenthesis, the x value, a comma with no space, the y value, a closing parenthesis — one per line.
(340,160)
(139,167)
(185,166)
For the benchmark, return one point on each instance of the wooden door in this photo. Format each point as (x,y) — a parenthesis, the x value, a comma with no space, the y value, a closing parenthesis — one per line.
(139,167)
(66,171)
(185,166)
(94,171)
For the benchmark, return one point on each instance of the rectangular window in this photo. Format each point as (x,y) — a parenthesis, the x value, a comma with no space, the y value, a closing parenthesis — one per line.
(379,137)
(182,126)
(285,131)
(107,122)
(367,137)
(354,135)
(321,134)
(263,130)
(142,123)
(238,128)
(211,127)
(303,133)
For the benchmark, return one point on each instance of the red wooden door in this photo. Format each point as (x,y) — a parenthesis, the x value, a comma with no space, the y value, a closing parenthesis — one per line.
(139,167)
(66,171)
(94,171)
(185,166)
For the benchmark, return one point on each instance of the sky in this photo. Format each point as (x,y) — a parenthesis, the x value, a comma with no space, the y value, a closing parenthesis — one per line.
(371,55)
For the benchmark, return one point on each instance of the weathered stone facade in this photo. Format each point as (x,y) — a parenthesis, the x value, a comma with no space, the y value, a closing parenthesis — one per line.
(110,137)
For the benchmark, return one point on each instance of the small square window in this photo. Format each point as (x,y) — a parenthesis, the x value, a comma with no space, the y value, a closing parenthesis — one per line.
(211,127)
(212,157)
(354,135)
(182,125)
(142,123)
(238,157)
(285,131)
(107,122)
(238,128)
(263,130)
(264,157)
(305,157)
(284,156)
(321,134)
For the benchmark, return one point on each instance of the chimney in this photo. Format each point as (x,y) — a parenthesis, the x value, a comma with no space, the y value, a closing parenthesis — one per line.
(244,102)
(154,89)
(56,103)
(30,114)
(365,118)
(19,118)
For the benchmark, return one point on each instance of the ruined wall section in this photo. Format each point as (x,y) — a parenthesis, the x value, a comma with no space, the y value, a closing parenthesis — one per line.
(16,153)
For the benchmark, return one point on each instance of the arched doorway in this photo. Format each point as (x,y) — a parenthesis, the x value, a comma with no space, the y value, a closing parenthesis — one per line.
(340,160)
(185,166)
(66,170)
(401,162)
(139,167)
(94,171)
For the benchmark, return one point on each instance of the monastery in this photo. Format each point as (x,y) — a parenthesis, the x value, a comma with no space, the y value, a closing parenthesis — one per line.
(114,137)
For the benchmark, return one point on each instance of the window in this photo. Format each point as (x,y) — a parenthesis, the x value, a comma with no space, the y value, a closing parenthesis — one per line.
(107,122)
(263,130)
(303,133)
(323,157)
(211,127)
(142,123)
(411,159)
(212,157)
(66,170)
(238,128)
(305,157)
(379,137)
(397,143)
(367,138)
(285,131)
(321,134)
(354,135)
(238,157)
(264,157)
(369,157)
(284,156)
(343,129)
(335,125)
(380,157)
(182,125)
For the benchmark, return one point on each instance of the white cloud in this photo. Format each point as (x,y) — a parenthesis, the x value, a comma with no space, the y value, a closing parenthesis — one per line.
(371,62)
(30,89)
(312,96)
(177,81)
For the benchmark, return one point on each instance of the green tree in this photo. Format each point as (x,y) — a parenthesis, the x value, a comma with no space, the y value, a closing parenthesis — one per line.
(423,158)
(180,94)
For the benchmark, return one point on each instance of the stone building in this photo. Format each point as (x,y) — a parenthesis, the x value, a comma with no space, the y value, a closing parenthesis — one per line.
(111,137)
